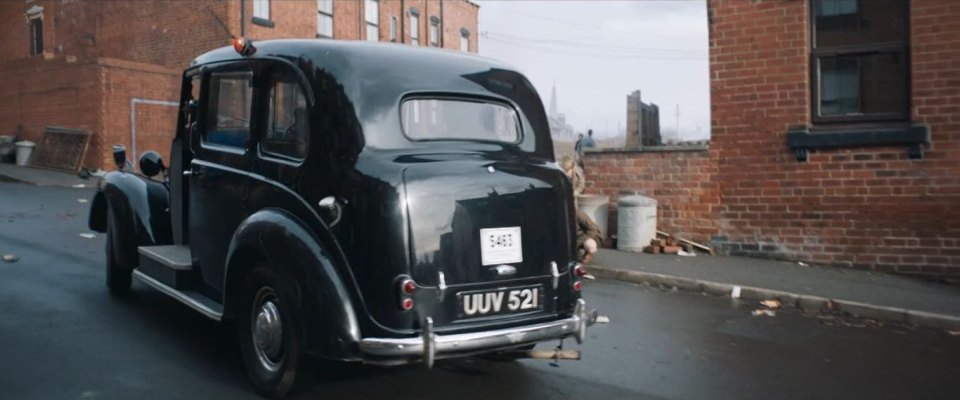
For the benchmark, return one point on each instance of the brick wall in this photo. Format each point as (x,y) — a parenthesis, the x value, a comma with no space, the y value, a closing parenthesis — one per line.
(861,207)
(682,181)
(121,82)
(98,58)
(40,93)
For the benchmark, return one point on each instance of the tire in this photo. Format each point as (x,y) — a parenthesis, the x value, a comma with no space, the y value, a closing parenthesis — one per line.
(271,351)
(118,277)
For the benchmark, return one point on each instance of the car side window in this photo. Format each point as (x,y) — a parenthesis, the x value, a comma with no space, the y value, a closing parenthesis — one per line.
(228,110)
(287,127)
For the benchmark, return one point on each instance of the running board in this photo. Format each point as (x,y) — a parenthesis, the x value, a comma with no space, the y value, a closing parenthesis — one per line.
(192,299)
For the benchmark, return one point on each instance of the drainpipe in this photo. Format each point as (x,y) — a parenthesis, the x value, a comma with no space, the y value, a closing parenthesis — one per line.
(133,118)
(441,25)
(403,17)
(243,21)
(361,24)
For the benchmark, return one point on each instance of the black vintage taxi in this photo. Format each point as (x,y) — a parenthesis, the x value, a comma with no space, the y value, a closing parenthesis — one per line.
(353,201)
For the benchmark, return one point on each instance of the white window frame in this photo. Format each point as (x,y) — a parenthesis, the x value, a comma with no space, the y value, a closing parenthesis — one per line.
(414,29)
(434,34)
(324,12)
(372,24)
(261,9)
(35,13)
(393,28)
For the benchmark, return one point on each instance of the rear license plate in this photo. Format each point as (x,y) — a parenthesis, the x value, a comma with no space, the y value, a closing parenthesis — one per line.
(481,303)
(500,246)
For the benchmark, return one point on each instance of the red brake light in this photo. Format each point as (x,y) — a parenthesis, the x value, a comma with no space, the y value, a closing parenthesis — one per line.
(407,304)
(578,270)
(577,286)
(408,286)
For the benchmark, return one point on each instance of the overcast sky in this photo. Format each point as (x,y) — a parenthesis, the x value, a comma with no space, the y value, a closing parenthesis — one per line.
(600,51)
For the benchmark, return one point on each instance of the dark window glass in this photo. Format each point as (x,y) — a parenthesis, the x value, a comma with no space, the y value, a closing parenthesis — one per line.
(448,119)
(228,110)
(288,126)
(36,36)
(859,57)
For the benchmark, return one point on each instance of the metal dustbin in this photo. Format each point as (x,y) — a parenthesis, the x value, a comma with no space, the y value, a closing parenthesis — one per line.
(636,222)
(24,150)
(597,207)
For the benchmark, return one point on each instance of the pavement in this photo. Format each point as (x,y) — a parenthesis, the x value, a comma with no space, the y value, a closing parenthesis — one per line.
(42,177)
(63,336)
(859,293)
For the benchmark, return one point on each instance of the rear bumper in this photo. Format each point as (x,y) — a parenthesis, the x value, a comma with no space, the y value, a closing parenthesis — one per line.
(429,345)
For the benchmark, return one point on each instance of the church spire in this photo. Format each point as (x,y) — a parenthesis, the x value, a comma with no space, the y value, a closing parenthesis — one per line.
(553,99)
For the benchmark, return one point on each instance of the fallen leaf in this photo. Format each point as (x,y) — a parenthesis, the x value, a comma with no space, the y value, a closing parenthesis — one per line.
(759,312)
(87,235)
(10,258)
(773,303)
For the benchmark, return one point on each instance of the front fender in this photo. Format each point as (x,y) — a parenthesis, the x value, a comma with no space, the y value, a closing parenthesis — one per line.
(326,323)
(139,214)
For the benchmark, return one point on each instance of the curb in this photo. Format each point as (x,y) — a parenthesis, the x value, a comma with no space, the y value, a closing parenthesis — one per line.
(855,308)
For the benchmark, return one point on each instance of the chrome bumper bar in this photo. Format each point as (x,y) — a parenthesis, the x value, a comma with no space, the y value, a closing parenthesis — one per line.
(429,344)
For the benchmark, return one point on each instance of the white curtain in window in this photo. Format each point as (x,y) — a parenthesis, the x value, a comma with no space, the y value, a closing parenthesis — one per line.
(414,30)
(261,9)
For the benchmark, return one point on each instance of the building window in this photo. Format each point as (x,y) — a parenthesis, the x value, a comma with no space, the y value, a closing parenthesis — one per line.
(414,29)
(372,15)
(434,31)
(464,39)
(325,18)
(36,36)
(393,29)
(859,60)
(261,9)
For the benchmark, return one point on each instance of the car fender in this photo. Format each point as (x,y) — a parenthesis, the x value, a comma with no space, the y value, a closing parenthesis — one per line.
(327,323)
(140,212)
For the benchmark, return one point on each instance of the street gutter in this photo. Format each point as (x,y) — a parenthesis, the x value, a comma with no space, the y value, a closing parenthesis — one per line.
(804,301)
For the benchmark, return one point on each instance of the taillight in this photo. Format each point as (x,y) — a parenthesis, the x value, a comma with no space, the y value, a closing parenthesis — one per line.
(578,270)
(577,286)
(406,290)
(408,286)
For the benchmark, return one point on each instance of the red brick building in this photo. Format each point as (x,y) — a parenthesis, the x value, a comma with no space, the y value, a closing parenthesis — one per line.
(113,68)
(835,137)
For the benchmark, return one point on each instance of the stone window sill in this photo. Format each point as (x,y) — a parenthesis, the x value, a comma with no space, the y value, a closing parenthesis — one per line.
(913,137)
(650,149)
(262,22)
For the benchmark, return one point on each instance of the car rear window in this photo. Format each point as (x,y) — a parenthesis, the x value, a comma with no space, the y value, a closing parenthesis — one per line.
(455,119)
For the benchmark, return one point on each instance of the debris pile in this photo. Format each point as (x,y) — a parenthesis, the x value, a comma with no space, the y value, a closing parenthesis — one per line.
(666,243)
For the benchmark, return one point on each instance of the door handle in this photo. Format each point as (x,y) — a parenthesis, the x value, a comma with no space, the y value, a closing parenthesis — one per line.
(190,172)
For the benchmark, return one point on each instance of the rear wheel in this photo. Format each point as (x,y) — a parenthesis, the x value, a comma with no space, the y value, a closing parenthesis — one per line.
(271,351)
(118,276)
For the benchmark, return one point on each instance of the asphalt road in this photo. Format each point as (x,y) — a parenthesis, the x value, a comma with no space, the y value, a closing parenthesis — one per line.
(63,337)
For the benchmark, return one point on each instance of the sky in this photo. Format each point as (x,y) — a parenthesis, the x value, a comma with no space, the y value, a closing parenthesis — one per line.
(600,51)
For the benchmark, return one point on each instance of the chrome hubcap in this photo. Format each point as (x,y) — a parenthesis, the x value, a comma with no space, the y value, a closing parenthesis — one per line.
(267,330)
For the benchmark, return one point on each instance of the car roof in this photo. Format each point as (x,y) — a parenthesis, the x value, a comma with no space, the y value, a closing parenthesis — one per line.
(373,77)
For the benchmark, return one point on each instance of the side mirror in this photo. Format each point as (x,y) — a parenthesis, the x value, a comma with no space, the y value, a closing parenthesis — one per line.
(151,164)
